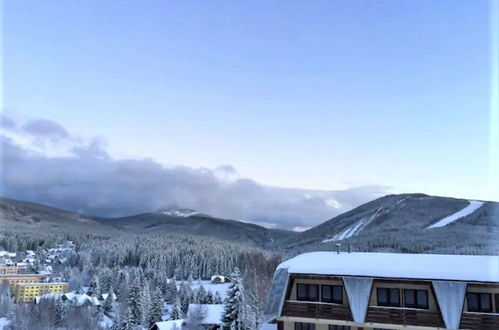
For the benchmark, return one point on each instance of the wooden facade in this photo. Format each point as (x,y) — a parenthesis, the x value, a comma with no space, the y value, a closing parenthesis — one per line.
(376,316)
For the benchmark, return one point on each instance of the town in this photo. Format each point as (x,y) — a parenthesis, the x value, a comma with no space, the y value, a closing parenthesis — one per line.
(34,278)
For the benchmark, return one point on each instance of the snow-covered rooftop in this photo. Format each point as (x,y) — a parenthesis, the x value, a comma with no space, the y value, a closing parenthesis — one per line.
(397,265)
(170,325)
(213,312)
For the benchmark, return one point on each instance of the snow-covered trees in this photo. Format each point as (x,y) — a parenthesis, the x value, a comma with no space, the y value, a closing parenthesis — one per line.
(61,311)
(94,287)
(6,303)
(235,312)
(176,312)
(109,308)
(135,304)
(194,318)
(156,308)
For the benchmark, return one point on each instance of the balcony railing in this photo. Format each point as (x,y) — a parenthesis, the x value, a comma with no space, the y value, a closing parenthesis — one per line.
(403,316)
(479,321)
(317,310)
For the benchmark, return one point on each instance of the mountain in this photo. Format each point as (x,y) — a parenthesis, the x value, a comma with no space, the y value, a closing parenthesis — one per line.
(195,223)
(32,216)
(409,223)
(16,214)
(413,223)
(178,212)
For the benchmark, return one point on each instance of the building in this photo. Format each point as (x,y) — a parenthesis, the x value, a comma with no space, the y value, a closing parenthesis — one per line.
(13,279)
(217,279)
(168,325)
(212,315)
(14,268)
(25,292)
(353,291)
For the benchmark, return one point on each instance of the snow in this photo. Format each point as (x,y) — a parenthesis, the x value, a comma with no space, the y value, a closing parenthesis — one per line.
(472,207)
(450,296)
(179,212)
(354,229)
(208,286)
(106,322)
(358,291)
(170,325)
(213,312)
(268,326)
(220,277)
(4,322)
(397,265)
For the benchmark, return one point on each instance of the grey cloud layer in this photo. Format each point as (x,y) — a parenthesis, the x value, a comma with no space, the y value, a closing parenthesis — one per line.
(91,182)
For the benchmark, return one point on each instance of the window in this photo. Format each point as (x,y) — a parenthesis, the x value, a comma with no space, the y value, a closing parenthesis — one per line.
(479,302)
(307,292)
(332,294)
(497,302)
(304,326)
(416,298)
(338,327)
(388,297)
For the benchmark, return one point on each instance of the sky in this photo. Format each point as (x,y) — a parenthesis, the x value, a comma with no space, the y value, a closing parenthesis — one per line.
(292,96)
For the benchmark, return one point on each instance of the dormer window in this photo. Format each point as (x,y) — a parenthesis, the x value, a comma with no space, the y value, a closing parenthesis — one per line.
(307,292)
(388,297)
(332,294)
(416,298)
(479,302)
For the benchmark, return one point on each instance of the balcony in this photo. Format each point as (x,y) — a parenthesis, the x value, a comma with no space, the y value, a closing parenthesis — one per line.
(317,310)
(403,316)
(479,321)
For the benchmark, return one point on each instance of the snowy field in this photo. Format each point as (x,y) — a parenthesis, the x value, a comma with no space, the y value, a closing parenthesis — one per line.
(208,286)
(472,207)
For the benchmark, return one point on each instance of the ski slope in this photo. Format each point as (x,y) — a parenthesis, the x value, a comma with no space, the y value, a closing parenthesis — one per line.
(354,229)
(472,207)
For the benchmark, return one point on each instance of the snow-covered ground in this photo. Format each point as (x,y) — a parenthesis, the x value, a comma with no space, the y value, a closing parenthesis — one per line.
(4,322)
(472,207)
(208,286)
(354,229)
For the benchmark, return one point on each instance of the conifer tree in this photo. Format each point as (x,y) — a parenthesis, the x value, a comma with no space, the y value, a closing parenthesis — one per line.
(218,298)
(156,310)
(61,310)
(94,287)
(210,299)
(135,304)
(109,307)
(200,296)
(171,291)
(234,315)
(176,313)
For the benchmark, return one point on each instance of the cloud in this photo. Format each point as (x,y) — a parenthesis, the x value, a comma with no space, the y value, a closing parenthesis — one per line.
(6,122)
(45,129)
(87,180)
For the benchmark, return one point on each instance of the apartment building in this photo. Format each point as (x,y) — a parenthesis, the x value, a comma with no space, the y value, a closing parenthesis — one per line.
(13,269)
(26,292)
(374,291)
(13,279)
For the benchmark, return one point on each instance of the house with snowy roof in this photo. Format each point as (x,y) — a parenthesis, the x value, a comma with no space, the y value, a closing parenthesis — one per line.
(216,279)
(211,314)
(351,291)
(168,325)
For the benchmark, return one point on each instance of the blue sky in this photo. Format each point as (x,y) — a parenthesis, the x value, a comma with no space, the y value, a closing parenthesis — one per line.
(309,94)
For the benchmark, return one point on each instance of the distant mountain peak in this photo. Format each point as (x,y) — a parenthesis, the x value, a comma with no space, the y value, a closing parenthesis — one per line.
(178,212)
